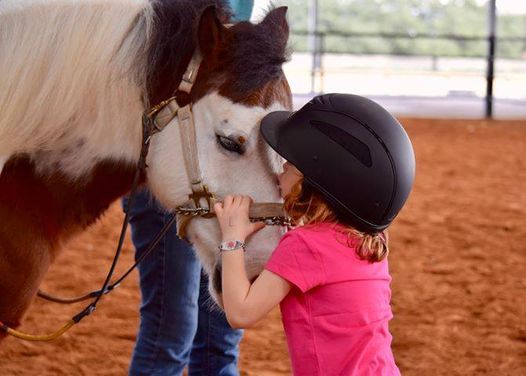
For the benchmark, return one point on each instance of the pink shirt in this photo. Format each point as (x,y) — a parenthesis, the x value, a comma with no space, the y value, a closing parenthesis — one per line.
(336,315)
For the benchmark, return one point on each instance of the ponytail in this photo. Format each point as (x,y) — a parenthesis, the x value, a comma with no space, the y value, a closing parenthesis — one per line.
(305,206)
(372,247)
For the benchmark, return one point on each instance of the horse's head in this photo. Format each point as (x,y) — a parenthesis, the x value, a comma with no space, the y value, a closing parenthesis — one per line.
(239,81)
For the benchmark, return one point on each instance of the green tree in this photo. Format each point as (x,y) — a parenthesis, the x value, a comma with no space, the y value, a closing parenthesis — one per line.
(408,17)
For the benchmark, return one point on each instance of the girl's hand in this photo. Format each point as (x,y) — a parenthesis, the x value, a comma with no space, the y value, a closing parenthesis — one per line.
(232,215)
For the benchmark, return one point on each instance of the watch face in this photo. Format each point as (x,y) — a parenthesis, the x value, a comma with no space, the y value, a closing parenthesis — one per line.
(231,245)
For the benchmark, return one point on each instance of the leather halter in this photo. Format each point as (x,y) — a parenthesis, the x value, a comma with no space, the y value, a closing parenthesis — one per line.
(178,109)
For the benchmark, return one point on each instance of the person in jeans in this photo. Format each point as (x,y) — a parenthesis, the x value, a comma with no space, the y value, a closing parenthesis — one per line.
(179,325)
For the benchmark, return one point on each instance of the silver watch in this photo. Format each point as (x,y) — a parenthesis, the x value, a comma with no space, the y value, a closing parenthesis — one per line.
(231,245)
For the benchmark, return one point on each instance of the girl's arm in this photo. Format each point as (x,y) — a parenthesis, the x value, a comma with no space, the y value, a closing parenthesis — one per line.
(244,303)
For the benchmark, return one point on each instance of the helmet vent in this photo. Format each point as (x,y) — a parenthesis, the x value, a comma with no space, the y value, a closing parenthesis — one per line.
(318,100)
(350,143)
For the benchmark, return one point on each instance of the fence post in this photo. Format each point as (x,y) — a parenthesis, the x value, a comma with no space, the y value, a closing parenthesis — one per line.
(320,68)
(490,72)
(314,44)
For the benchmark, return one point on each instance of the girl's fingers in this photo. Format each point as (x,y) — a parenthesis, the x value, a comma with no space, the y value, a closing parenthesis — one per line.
(258,226)
(238,199)
(245,204)
(218,207)
(227,201)
(247,199)
(234,202)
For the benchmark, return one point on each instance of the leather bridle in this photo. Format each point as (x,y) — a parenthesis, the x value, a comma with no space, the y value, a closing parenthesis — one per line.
(178,108)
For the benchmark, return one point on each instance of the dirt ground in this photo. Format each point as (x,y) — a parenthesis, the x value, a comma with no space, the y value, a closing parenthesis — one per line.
(458,261)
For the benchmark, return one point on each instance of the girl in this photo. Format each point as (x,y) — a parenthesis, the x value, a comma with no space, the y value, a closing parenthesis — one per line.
(350,170)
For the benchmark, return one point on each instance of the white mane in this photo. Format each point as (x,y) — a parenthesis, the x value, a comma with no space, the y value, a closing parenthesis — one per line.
(68,69)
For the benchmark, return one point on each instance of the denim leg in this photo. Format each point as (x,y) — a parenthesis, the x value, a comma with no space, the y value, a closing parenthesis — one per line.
(169,280)
(216,344)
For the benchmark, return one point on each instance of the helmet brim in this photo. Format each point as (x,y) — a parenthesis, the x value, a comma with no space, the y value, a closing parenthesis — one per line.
(271,128)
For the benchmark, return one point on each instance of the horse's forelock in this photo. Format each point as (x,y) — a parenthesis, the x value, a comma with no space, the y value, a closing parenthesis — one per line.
(247,68)
(242,68)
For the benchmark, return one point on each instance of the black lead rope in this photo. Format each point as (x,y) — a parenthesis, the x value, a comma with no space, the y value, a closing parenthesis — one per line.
(115,284)
(148,131)
(141,167)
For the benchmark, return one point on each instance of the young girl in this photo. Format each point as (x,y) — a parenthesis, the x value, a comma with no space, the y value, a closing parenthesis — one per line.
(350,170)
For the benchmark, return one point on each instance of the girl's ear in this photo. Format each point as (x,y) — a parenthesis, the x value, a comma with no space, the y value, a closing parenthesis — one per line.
(211,32)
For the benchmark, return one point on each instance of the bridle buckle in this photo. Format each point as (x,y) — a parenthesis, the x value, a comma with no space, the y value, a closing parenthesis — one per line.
(197,195)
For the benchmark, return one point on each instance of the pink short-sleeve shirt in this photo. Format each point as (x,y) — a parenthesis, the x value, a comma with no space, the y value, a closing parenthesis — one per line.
(336,315)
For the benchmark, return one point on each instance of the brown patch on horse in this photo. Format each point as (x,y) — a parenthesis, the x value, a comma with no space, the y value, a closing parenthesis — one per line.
(48,203)
(276,91)
(38,213)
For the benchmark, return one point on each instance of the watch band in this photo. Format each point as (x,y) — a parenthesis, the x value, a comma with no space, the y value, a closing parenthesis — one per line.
(231,245)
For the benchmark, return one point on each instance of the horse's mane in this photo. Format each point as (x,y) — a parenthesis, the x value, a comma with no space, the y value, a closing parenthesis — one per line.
(66,74)
(174,32)
(260,51)
(72,67)
(77,70)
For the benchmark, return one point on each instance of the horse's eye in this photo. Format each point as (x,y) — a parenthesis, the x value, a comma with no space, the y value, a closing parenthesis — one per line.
(229,144)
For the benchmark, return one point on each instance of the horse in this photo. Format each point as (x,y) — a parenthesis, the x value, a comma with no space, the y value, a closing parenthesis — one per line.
(76,76)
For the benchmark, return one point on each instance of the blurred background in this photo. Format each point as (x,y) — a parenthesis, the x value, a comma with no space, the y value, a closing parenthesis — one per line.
(431,58)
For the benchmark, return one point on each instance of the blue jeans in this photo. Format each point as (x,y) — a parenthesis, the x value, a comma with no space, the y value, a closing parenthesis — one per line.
(179,324)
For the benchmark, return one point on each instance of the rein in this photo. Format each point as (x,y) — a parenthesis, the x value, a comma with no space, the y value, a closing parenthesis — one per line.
(154,121)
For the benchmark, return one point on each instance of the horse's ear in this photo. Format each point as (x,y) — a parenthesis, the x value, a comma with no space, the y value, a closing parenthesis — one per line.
(276,22)
(211,32)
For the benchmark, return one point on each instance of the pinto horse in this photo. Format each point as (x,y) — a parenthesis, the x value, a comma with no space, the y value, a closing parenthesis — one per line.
(75,79)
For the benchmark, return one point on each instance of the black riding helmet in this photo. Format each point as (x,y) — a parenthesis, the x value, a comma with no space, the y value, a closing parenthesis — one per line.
(354,152)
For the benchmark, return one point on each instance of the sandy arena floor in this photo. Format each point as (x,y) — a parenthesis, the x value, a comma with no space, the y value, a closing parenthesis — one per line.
(458,263)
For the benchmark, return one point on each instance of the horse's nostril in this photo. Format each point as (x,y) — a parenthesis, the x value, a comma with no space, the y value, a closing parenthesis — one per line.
(218,285)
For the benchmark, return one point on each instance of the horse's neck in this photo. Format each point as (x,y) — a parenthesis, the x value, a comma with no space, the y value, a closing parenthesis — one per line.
(38,212)
(83,145)
(52,205)
(61,87)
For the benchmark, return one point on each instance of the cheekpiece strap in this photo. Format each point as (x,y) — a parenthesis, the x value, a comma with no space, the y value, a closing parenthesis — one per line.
(165,112)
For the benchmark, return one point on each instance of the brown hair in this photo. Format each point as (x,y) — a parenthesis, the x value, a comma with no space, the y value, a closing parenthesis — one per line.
(306,206)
